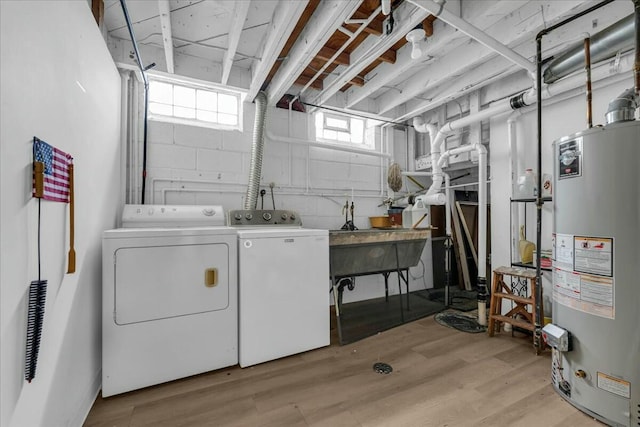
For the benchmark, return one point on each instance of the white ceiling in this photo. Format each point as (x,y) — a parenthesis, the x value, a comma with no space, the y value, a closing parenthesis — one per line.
(452,64)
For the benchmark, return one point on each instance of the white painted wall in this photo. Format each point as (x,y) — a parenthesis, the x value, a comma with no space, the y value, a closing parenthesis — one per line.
(59,83)
(196,165)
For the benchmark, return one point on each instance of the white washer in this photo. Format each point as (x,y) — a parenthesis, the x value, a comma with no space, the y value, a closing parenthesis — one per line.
(169,296)
(283,286)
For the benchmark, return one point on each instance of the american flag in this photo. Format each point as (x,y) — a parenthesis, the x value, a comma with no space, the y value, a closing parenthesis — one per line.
(56,171)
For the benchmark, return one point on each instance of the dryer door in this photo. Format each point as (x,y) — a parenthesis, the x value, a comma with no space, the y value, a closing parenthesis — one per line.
(159,282)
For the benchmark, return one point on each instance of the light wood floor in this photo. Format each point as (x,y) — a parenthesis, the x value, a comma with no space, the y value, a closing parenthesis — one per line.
(441,377)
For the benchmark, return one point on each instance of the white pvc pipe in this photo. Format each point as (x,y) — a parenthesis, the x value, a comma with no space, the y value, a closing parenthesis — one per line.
(124,111)
(475,33)
(482,227)
(336,147)
(447,194)
(135,149)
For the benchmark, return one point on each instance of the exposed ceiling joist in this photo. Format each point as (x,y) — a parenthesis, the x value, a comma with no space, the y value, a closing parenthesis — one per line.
(167,37)
(497,68)
(326,53)
(237,24)
(483,75)
(327,18)
(303,80)
(389,57)
(374,28)
(407,16)
(446,38)
(285,18)
(475,33)
(463,58)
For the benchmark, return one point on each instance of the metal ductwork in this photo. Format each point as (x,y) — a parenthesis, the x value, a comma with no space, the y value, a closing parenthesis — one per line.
(622,108)
(604,45)
(255,171)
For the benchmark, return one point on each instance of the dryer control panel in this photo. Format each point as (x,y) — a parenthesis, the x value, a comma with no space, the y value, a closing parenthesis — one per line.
(257,217)
(145,216)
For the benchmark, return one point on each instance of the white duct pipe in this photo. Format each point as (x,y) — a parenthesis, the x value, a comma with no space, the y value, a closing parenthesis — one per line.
(298,141)
(482,234)
(513,170)
(124,119)
(447,194)
(420,126)
(437,9)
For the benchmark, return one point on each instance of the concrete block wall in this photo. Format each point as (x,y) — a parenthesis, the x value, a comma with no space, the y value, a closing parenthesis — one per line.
(197,165)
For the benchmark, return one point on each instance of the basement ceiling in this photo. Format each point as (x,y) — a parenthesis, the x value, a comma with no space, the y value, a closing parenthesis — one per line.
(346,53)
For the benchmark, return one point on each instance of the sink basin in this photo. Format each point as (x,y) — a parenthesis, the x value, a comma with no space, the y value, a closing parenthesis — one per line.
(376,235)
(360,252)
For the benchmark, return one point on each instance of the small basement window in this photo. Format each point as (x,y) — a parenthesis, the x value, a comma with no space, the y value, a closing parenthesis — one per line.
(194,103)
(331,127)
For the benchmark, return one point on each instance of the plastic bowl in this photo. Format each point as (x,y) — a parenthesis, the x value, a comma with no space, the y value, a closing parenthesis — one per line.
(380,221)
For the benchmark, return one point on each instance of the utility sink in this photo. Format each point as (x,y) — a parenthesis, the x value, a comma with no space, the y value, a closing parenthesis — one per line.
(360,252)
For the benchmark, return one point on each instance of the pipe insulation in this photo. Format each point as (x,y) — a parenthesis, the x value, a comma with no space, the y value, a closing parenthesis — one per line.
(257,148)
(605,44)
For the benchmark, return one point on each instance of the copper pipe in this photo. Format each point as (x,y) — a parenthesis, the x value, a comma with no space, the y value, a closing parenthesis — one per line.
(587,66)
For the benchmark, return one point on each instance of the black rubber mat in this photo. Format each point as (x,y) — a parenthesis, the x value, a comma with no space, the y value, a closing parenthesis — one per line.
(460,322)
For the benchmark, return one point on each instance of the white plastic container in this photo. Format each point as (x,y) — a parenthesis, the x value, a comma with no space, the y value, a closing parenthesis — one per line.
(526,185)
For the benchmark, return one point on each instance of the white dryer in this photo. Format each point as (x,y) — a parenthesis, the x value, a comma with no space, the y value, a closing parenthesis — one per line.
(169,296)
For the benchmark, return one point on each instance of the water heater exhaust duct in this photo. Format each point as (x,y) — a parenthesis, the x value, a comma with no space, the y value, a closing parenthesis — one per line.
(618,37)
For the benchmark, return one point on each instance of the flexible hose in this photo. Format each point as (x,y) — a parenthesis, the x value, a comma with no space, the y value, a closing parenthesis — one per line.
(255,171)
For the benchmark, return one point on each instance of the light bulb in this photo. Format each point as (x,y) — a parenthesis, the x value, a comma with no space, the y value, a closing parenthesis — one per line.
(416,52)
(386,7)
(415,37)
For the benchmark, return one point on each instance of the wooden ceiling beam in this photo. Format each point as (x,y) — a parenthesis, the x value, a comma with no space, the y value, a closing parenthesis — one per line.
(374,28)
(327,18)
(326,53)
(303,80)
(167,37)
(97,8)
(427,25)
(389,57)
(240,11)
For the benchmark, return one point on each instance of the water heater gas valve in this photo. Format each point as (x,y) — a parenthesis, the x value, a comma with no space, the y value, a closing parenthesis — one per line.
(557,337)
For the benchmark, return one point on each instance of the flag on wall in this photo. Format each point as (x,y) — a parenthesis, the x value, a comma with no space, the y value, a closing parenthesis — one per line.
(51,172)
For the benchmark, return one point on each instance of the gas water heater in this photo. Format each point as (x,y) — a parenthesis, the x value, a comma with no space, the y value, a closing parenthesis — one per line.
(595,333)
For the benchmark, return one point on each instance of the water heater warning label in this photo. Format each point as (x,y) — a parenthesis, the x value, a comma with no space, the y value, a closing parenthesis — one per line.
(594,255)
(584,292)
(614,385)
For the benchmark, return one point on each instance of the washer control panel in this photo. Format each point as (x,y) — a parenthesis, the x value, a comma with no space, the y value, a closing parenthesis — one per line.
(256,217)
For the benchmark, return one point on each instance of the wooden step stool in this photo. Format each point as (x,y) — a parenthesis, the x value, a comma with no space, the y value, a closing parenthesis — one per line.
(522,282)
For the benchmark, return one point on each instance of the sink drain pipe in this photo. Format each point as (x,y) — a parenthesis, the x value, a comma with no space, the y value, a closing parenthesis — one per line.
(257,147)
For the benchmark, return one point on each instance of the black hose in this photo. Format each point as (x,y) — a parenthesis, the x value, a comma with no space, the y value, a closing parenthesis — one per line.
(146,94)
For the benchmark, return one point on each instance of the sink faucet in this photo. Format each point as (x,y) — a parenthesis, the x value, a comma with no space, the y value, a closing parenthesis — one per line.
(348,223)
